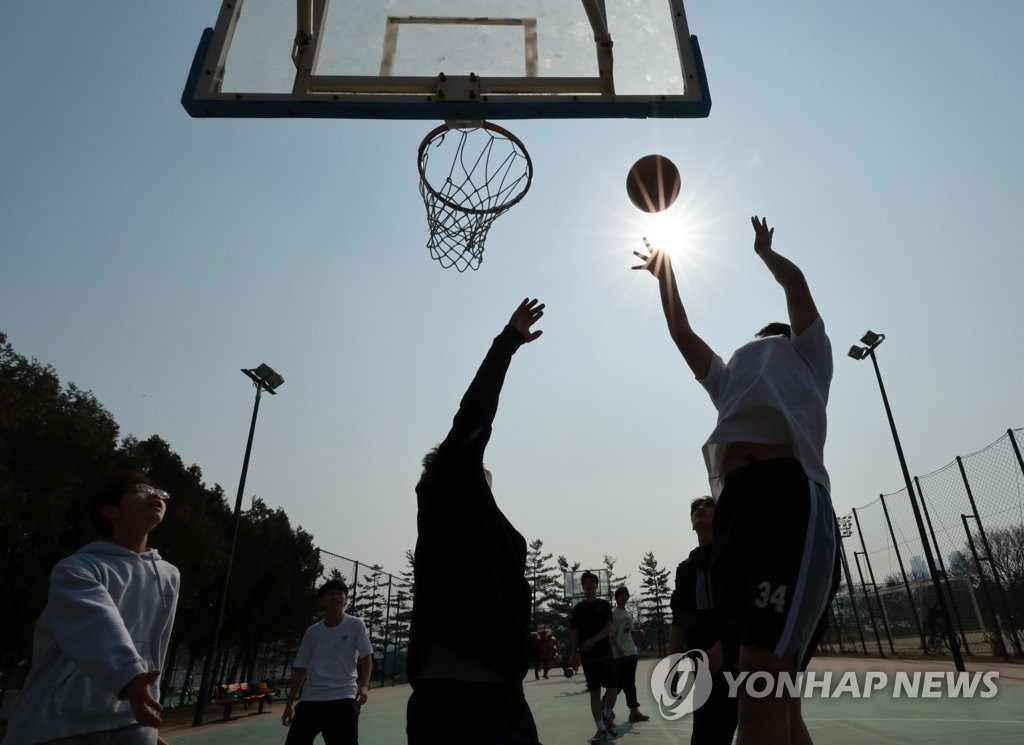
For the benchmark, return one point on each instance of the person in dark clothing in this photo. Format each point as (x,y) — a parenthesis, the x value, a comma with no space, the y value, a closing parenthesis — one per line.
(695,626)
(471,601)
(590,627)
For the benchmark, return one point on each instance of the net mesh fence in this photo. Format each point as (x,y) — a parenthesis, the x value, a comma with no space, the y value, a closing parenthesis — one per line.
(972,514)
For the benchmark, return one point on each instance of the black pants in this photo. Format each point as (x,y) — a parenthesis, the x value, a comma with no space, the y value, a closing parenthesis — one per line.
(625,668)
(337,721)
(488,714)
(714,723)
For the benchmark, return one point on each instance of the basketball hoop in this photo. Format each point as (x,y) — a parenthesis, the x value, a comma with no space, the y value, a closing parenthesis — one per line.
(490,171)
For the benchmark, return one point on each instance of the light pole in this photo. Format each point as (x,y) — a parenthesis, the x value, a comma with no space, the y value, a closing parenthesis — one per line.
(265,378)
(872,340)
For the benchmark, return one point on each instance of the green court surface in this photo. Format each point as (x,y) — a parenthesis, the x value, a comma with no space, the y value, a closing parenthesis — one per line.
(562,713)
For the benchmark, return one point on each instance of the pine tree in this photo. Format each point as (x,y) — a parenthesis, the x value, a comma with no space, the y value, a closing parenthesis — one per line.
(561,608)
(544,584)
(614,581)
(403,598)
(655,595)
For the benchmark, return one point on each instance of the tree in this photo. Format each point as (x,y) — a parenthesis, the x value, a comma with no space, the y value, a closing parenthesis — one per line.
(56,445)
(655,595)
(544,584)
(403,598)
(614,581)
(561,607)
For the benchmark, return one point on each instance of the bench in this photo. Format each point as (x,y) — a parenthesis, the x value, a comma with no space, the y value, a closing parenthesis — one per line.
(232,694)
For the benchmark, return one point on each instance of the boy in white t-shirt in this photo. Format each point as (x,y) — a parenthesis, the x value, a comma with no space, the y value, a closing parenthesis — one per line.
(626,654)
(774,563)
(332,652)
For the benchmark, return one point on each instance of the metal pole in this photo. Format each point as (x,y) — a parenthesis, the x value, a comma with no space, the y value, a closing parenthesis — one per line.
(903,573)
(991,560)
(867,601)
(954,643)
(942,567)
(874,585)
(984,583)
(1016,450)
(853,604)
(208,663)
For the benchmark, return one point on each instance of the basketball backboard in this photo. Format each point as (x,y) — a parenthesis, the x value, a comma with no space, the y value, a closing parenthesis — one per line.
(574,585)
(448,60)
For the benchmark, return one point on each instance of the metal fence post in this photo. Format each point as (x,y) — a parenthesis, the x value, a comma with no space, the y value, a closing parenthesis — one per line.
(874,586)
(992,563)
(903,573)
(851,592)
(942,567)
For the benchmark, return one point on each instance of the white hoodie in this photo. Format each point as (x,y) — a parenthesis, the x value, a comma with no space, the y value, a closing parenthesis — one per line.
(107,620)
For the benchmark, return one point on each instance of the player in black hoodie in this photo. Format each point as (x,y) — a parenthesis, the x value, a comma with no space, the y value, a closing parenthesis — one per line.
(471,601)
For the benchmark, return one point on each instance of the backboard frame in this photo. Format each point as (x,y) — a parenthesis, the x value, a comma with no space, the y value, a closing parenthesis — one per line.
(440,97)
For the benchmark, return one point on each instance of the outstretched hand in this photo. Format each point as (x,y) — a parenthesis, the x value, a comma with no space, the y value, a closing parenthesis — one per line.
(654,260)
(762,235)
(527,314)
(139,693)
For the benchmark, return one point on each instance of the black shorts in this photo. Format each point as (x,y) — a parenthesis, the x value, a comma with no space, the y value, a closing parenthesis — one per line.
(600,673)
(488,714)
(775,561)
(336,721)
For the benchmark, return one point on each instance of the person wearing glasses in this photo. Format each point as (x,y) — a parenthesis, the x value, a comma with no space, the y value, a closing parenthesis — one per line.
(775,565)
(100,642)
(695,626)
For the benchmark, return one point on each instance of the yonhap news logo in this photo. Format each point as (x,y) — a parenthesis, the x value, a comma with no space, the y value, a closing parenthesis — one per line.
(682,683)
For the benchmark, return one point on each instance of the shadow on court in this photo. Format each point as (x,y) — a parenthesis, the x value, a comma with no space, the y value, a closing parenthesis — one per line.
(563,716)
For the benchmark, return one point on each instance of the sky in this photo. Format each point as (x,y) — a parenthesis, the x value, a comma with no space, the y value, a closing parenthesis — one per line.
(149,256)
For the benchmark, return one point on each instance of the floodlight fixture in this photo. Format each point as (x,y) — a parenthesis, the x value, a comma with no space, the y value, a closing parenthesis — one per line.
(265,377)
(872,339)
(859,353)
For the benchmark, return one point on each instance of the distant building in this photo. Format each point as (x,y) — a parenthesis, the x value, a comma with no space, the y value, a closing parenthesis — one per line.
(918,569)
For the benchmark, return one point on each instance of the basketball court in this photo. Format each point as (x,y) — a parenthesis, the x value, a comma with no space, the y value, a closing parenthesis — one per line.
(463,65)
(560,708)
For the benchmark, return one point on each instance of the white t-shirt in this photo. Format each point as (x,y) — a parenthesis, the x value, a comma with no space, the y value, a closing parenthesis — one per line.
(330,654)
(622,634)
(773,391)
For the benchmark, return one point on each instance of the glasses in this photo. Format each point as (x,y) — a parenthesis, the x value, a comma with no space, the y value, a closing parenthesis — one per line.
(145,491)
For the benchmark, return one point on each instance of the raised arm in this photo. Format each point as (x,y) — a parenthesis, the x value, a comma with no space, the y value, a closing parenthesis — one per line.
(471,427)
(799,303)
(695,351)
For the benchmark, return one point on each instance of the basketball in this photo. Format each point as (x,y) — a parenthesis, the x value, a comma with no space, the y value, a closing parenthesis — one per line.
(653,183)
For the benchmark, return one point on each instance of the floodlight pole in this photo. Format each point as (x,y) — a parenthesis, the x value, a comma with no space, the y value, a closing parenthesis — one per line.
(210,663)
(954,642)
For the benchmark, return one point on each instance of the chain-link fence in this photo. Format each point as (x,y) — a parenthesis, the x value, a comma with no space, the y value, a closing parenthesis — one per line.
(972,517)
(384,602)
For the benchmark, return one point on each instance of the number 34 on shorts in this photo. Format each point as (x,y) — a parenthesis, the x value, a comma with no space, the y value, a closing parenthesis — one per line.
(767,595)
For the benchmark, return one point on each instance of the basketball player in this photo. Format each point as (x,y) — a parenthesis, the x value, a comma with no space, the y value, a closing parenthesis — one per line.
(774,566)
(471,601)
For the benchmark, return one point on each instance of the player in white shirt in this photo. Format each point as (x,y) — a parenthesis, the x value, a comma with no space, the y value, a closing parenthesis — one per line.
(774,565)
(333,669)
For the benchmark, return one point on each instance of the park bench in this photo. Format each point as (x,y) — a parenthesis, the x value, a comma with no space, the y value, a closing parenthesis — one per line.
(230,695)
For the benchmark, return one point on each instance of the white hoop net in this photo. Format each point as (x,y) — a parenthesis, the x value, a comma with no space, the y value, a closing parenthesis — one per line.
(476,174)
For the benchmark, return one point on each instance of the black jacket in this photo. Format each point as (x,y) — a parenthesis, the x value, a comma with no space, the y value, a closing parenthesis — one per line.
(470,593)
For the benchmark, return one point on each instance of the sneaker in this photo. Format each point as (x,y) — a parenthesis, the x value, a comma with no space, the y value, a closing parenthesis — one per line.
(637,716)
(609,724)
(599,737)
